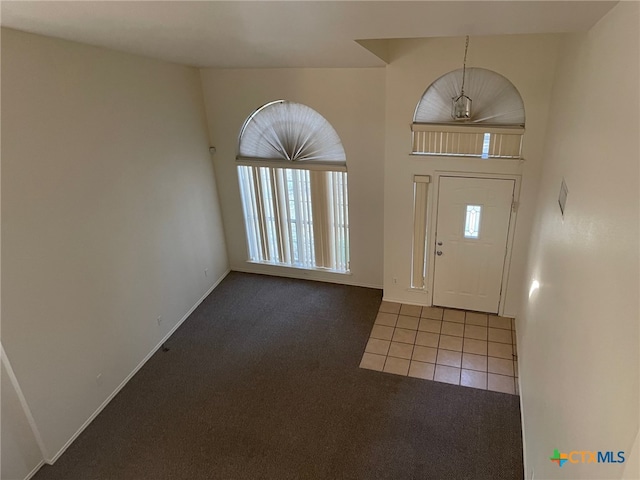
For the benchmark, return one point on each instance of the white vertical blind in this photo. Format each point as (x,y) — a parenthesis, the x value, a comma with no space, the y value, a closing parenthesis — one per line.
(296,217)
(419,257)
(467,140)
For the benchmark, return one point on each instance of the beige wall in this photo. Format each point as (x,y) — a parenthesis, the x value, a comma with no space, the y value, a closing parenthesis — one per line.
(109,219)
(352,100)
(578,335)
(528,61)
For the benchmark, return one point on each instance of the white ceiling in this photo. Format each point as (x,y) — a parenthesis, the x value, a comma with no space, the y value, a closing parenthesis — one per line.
(286,34)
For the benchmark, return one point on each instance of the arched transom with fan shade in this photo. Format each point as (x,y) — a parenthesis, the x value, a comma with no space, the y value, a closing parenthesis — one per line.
(293,185)
(494,130)
(291,132)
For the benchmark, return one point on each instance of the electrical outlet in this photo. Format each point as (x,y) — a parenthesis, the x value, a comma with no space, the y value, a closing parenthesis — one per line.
(206,272)
(159,319)
(99,379)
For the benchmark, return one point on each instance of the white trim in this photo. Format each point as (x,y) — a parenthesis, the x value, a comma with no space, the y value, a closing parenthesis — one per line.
(300,164)
(404,302)
(305,269)
(468,127)
(35,470)
(23,402)
(302,274)
(135,370)
(422,179)
(519,382)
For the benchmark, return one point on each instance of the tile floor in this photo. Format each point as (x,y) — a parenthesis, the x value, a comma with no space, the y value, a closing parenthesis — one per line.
(452,346)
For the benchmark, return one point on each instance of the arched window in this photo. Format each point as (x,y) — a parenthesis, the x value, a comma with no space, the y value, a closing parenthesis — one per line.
(494,130)
(293,183)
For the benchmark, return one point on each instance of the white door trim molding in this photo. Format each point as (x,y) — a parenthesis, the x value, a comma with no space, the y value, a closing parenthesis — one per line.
(433,215)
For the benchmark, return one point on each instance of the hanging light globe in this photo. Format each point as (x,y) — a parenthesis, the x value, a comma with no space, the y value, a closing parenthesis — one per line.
(461,108)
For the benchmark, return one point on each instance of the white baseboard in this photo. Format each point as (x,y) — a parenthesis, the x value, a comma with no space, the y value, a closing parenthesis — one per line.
(135,370)
(302,274)
(524,437)
(405,302)
(23,403)
(35,470)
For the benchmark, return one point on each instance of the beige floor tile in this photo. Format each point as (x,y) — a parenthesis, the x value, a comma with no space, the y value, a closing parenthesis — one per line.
(499,335)
(400,350)
(405,336)
(479,319)
(428,325)
(380,347)
(427,339)
(499,322)
(399,366)
(372,361)
(390,307)
(500,366)
(382,332)
(408,322)
(447,357)
(500,350)
(422,370)
(432,312)
(501,383)
(515,368)
(453,315)
(471,361)
(447,374)
(475,332)
(479,347)
(471,378)
(448,342)
(424,354)
(410,310)
(452,328)
(387,319)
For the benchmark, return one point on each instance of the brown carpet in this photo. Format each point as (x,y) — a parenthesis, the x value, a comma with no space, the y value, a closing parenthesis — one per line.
(262,382)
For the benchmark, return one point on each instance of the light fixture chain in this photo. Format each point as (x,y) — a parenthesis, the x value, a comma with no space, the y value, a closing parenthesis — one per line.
(464,64)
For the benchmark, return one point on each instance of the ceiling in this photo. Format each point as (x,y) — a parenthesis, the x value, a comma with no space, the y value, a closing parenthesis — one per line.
(287,34)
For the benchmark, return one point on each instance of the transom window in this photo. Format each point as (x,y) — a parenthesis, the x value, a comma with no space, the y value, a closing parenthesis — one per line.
(496,126)
(293,184)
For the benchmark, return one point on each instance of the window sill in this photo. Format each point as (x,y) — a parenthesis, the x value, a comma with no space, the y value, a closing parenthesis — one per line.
(304,269)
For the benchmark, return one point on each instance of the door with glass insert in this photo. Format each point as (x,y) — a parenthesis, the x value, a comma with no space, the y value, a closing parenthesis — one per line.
(472,228)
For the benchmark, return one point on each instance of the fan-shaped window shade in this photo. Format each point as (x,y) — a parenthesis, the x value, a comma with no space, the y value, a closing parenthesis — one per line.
(496,126)
(495,100)
(290,132)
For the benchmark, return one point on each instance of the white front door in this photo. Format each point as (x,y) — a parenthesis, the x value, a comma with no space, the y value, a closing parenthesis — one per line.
(471,242)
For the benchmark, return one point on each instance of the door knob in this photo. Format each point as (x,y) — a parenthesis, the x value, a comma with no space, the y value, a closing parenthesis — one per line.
(438,253)
(440,243)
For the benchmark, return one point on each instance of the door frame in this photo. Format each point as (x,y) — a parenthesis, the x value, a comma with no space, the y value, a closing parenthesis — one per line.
(433,219)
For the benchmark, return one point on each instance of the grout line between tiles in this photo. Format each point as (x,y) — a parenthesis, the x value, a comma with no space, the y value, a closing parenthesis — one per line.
(461,352)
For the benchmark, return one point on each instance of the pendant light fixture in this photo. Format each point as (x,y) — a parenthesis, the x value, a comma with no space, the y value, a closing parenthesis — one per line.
(461,105)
